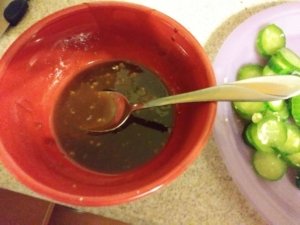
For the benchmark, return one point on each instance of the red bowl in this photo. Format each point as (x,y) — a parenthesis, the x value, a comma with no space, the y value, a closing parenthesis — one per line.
(50,52)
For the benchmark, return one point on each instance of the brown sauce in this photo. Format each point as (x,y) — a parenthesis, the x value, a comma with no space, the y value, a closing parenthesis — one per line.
(139,140)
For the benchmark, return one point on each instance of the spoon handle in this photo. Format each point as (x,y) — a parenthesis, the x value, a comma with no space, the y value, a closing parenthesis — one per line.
(264,88)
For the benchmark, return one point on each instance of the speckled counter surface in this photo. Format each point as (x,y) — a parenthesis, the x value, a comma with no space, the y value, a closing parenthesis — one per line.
(205,194)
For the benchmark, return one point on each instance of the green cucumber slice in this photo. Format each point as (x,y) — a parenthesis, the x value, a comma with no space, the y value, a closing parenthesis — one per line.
(295,109)
(291,57)
(280,114)
(280,65)
(294,159)
(248,71)
(276,105)
(270,39)
(269,165)
(292,144)
(253,139)
(267,71)
(272,132)
(285,61)
(256,117)
(247,109)
(248,136)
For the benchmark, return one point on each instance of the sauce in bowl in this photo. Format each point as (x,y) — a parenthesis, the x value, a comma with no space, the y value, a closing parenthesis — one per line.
(136,142)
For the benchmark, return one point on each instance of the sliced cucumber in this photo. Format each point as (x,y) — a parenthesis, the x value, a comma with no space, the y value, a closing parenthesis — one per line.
(294,159)
(249,70)
(280,65)
(248,136)
(270,128)
(292,144)
(253,139)
(257,117)
(295,109)
(272,132)
(270,39)
(276,105)
(267,71)
(281,113)
(291,57)
(269,165)
(247,109)
(285,61)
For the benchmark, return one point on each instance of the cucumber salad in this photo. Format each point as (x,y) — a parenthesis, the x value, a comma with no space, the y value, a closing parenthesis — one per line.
(272,128)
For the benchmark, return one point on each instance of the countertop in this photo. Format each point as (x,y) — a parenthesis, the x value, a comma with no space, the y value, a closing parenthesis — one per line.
(204,194)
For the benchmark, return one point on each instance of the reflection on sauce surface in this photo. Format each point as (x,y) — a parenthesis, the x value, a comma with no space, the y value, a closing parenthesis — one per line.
(80,105)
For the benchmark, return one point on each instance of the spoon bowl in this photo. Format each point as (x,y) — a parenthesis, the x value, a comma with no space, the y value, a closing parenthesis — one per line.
(119,111)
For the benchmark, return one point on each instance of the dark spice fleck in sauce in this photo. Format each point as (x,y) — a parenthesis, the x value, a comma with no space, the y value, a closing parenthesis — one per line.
(133,144)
